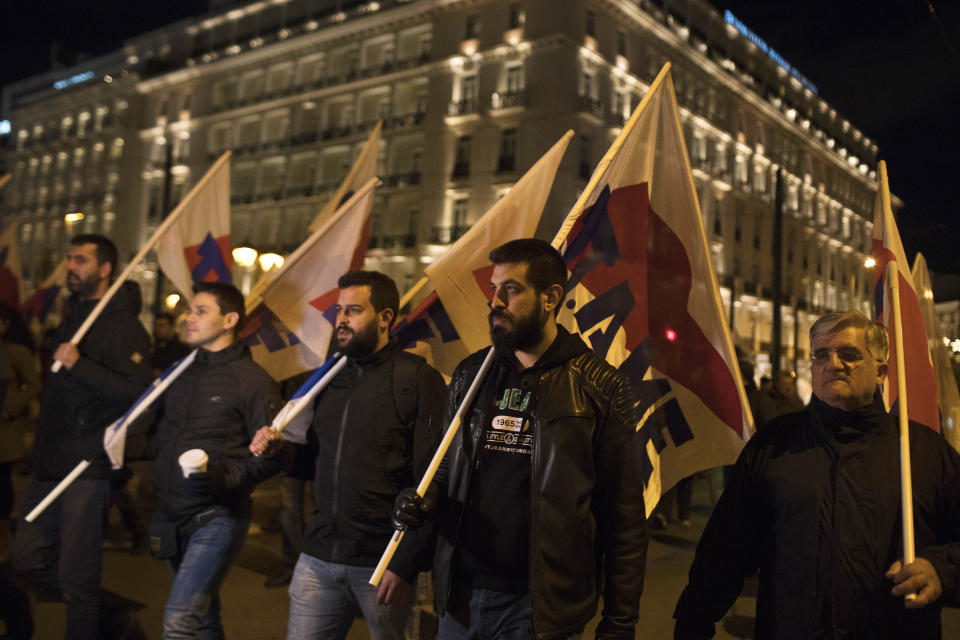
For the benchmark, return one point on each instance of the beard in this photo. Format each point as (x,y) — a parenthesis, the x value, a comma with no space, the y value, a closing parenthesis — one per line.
(86,287)
(525,332)
(359,343)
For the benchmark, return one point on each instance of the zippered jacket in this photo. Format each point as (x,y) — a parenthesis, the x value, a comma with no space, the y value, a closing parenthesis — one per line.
(366,454)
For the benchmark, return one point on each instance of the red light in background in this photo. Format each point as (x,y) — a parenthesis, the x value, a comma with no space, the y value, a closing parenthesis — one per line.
(671,335)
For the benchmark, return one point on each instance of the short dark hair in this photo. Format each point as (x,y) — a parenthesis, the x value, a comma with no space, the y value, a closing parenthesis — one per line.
(169,317)
(229,298)
(545,266)
(383,290)
(106,250)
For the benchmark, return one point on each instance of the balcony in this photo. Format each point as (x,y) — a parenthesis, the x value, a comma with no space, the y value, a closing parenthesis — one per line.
(502,100)
(402,179)
(241,198)
(400,241)
(306,137)
(462,107)
(592,106)
(447,234)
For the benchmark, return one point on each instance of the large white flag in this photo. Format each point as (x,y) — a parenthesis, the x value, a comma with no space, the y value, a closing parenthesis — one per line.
(643,293)
(303,294)
(364,168)
(196,248)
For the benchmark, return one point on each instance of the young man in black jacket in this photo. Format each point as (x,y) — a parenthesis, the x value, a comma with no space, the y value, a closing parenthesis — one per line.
(101,377)
(814,504)
(216,405)
(541,497)
(377,425)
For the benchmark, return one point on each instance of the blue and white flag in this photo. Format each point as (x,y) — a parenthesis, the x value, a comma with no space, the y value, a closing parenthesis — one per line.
(115,436)
(292,419)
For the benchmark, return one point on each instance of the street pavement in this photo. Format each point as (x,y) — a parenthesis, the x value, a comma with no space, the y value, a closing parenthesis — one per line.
(250,611)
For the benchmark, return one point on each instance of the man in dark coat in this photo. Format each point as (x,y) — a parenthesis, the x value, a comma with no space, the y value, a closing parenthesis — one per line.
(814,504)
(540,496)
(101,377)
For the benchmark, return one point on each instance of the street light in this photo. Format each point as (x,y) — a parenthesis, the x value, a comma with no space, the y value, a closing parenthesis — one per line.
(270,260)
(870,263)
(172,300)
(75,216)
(245,255)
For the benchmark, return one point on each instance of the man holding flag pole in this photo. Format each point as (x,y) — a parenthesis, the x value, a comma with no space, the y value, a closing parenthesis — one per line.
(104,374)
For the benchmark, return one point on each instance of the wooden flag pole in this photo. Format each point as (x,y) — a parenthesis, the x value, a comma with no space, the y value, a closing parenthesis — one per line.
(150,244)
(435,463)
(413,291)
(4,179)
(906,476)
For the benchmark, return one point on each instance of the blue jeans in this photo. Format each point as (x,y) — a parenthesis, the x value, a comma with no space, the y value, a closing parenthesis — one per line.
(482,614)
(325,598)
(193,607)
(60,551)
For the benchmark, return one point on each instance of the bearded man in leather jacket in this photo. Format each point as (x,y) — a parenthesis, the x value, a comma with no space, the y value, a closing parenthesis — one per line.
(540,509)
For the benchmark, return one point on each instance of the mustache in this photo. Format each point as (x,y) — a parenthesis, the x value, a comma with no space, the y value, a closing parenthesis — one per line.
(499,313)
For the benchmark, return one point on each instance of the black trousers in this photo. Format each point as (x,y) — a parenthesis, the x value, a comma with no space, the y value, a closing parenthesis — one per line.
(61,550)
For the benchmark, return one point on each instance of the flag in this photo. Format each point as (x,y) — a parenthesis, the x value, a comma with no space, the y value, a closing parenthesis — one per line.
(921,381)
(115,437)
(642,292)
(196,248)
(44,299)
(427,331)
(303,294)
(364,168)
(948,396)
(11,275)
(295,429)
(461,276)
(274,347)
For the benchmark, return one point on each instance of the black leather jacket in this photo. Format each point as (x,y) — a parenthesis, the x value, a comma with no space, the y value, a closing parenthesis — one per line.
(587,494)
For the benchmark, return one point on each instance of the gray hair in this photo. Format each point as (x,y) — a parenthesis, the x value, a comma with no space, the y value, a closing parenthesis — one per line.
(875,333)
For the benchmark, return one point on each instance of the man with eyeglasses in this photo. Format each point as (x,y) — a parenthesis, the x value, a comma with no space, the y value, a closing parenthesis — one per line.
(814,504)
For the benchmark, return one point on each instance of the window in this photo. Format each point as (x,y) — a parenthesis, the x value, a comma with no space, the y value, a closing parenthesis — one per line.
(460,207)
(585,165)
(591,26)
(515,79)
(621,44)
(461,162)
(518,17)
(586,86)
(468,91)
(508,150)
(472,28)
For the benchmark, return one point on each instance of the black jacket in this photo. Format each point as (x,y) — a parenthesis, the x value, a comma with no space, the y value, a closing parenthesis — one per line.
(587,528)
(79,403)
(814,504)
(366,455)
(217,405)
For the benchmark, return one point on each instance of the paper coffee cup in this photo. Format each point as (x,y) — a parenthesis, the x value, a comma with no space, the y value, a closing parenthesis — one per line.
(193,461)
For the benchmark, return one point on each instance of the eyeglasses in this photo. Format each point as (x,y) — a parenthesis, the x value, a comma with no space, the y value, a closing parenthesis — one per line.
(847,355)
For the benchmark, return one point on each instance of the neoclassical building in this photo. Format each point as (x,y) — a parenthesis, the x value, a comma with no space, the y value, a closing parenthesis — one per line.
(470,93)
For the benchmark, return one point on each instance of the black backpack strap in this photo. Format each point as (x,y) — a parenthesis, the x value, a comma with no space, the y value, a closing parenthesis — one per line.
(405,367)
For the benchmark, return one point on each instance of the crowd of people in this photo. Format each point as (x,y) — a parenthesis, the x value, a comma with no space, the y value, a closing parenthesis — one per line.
(536,513)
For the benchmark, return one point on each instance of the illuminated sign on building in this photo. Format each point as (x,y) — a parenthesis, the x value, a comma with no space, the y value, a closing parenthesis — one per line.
(72,80)
(767,49)
(4,127)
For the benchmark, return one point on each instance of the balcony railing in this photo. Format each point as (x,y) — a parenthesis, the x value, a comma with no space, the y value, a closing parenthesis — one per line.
(508,99)
(402,179)
(462,107)
(447,234)
(590,105)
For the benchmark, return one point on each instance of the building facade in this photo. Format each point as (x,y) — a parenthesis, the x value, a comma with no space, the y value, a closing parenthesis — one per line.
(471,93)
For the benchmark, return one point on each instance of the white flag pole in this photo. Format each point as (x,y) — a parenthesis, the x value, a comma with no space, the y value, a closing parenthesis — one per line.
(137,410)
(906,476)
(292,409)
(435,463)
(154,239)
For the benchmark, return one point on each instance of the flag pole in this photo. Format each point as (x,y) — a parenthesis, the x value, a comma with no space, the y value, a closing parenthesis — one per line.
(906,477)
(142,404)
(4,179)
(149,245)
(435,463)
(601,169)
(412,292)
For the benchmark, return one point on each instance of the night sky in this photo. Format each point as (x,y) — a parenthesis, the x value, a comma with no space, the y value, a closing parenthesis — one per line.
(889,66)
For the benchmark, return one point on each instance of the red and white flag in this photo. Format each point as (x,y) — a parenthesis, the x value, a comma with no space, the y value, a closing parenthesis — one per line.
(921,385)
(461,276)
(948,396)
(643,293)
(304,292)
(196,248)
(44,299)
(11,274)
